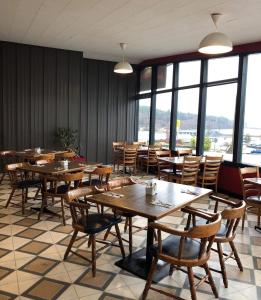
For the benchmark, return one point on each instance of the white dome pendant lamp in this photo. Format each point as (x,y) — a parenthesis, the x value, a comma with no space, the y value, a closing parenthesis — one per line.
(123,67)
(215,42)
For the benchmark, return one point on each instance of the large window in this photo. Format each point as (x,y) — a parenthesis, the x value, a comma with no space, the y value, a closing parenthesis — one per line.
(162,119)
(187,117)
(144,120)
(220,113)
(211,99)
(251,151)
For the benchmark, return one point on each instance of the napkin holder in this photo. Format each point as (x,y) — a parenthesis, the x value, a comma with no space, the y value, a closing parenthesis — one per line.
(151,189)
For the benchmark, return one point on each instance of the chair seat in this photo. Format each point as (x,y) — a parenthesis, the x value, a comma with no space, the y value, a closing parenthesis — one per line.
(92,182)
(61,189)
(29,183)
(95,223)
(254,200)
(168,171)
(170,246)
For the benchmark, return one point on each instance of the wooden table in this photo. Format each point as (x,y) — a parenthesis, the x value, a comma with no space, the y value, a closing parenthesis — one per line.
(52,169)
(177,160)
(256,181)
(135,200)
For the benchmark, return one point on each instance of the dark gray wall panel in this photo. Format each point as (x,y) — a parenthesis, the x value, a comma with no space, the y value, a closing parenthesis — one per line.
(44,88)
(37,97)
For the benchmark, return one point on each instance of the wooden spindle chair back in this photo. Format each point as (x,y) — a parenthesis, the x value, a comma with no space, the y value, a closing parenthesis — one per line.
(103,174)
(183,152)
(15,174)
(211,171)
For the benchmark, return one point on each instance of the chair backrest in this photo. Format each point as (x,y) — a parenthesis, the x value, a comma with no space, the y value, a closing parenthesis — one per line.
(190,169)
(130,156)
(103,173)
(143,143)
(7,153)
(78,206)
(211,169)
(48,156)
(163,153)
(14,173)
(119,182)
(248,189)
(132,146)
(66,155)
(203,234)
(118,145)
(183,152)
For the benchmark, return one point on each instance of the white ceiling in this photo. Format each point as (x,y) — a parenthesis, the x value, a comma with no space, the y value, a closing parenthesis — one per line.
(152,28)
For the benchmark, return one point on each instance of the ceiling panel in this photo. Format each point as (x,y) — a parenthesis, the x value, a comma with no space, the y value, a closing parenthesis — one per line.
(152,28)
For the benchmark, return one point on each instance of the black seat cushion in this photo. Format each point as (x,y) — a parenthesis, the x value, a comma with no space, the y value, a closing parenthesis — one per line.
(29,183)
(61,189)
(170,246)
(95,223)
(92,182)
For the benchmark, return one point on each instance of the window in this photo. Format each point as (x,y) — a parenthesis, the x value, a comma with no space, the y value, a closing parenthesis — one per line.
(162,122)
(251,151)
(164,77)
(187,117)
(145,80)
(144,120)
(219,126)
(222,68)
(189,73)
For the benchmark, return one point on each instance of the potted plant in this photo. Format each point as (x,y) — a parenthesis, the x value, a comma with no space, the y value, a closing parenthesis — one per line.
(67,138)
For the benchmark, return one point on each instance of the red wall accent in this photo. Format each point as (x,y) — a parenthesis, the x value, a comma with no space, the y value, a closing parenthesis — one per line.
(229,180)
(244,48)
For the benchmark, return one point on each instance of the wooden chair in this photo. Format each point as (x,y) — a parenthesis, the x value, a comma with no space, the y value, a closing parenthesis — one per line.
(209,176)
(188,248)
(128,159)
(66,155)
(164,168)
(101,174)
(90,224)
(231,216)
(251,194)
(115,184)
(151,159)
(117,147)
(183,152)
(19,180)
(189,171)
(6,157)
(59,186)
(143,143)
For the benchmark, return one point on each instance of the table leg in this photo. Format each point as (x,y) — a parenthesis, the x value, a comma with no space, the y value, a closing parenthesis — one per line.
(139,262)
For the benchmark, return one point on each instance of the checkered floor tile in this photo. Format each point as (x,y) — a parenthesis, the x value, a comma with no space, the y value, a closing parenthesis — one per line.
(32,265)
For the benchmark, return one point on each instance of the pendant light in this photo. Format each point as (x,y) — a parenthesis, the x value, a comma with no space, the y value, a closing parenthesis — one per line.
(215,42)
(123,67)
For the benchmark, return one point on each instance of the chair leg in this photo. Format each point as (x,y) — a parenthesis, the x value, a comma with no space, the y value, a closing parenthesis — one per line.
(222,264)
(171,270)
(120,240)
(2,177)
(243,220)
(130,236)
(23,200)
(211,281)
(107,233)
(258,217)
(232,245)
(10,197)
(192,284)
(63,215)
(37,193)
(73,238)
(93,241)
(126,224)
(149,279)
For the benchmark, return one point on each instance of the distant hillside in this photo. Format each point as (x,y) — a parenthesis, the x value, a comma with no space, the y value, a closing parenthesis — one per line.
(187,120)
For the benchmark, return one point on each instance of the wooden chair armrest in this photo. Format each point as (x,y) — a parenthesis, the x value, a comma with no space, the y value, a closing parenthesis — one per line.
(198,213)
(219,199)
(169,230)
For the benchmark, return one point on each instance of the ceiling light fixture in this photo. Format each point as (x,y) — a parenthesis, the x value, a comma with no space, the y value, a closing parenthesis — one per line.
(215,42)
(123,67)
